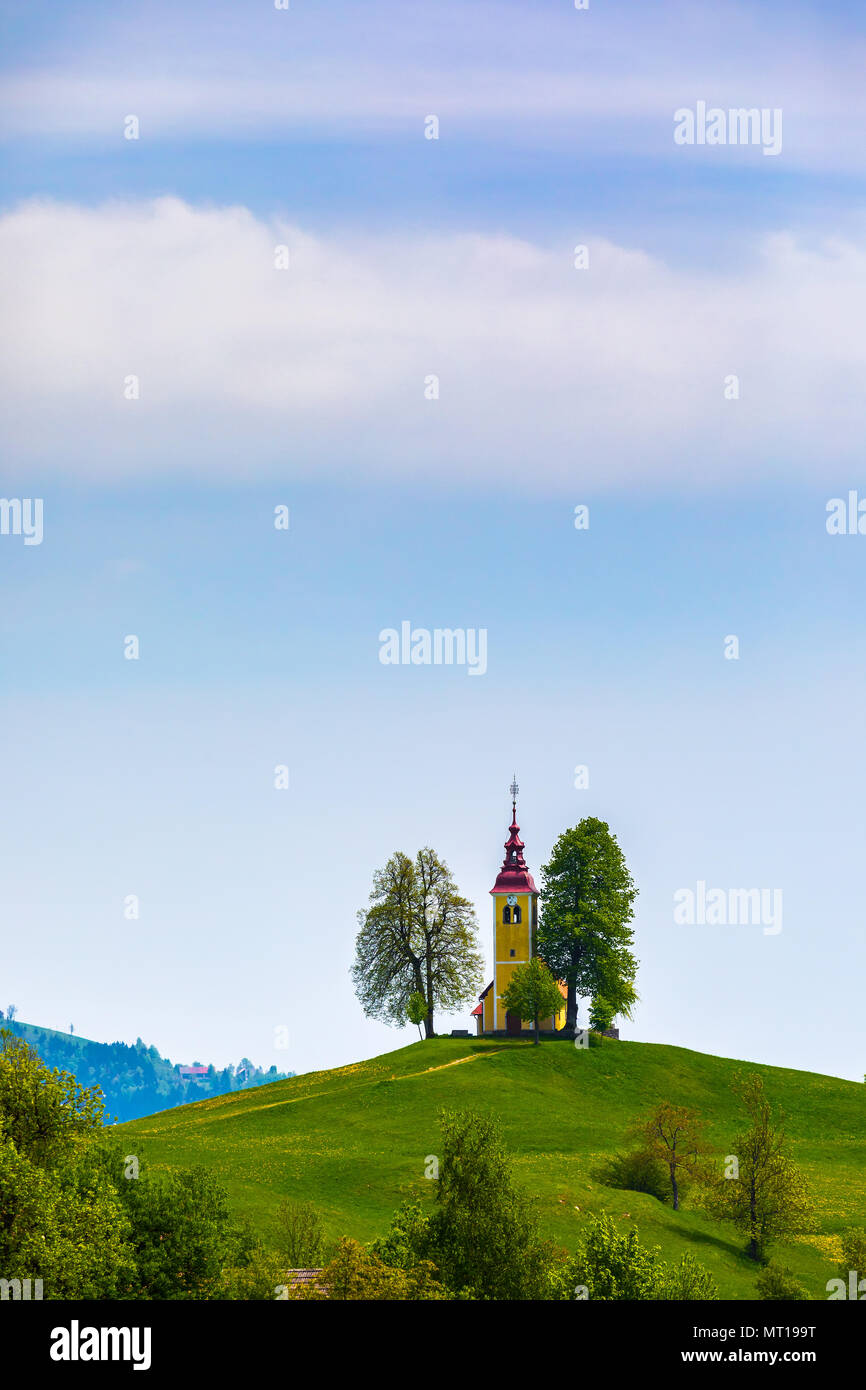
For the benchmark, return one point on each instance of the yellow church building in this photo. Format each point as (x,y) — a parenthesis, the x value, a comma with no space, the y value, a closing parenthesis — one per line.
(515,924)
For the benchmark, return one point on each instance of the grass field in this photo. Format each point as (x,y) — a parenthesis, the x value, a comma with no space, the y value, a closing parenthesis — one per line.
(353,1141)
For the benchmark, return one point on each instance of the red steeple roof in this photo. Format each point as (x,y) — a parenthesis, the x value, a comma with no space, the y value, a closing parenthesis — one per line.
(514,877)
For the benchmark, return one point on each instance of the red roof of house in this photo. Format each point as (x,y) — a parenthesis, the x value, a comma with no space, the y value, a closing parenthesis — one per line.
(479,1009)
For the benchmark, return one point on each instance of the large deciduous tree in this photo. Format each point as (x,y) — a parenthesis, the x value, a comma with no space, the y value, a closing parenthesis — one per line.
(587,901)
(418,936)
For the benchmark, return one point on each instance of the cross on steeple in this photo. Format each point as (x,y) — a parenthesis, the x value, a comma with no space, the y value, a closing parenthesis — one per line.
(514,789)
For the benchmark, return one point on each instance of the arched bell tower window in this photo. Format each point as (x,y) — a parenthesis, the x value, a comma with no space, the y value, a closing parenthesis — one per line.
(506,914)
(516,917)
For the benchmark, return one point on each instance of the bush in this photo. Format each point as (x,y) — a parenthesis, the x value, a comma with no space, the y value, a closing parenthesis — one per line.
(780,1285)
(613,1266)
(638,1172)
(407,1240)
(255,1279)
(853,1252)
(357,1273)
(687,1281)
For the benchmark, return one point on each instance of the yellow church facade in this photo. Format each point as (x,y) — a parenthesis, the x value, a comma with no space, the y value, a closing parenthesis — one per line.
(515,926)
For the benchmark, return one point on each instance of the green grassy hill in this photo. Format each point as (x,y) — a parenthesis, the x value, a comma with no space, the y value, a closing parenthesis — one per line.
(353,1141)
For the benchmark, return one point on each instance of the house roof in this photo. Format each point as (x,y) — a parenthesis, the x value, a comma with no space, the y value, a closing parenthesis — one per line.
(302,1276)
(479,1009)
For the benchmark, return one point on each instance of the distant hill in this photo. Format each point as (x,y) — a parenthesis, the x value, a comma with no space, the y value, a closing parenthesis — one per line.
(135,1080)
(353,1141)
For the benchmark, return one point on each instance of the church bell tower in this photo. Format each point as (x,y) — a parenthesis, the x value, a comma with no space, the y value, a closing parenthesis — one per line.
(515,924)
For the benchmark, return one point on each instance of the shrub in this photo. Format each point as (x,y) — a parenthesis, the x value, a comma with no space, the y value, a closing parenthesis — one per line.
(638,1172)
(357,1273)
(407,1240)
(853,1252)
(613,1266)
(781,1285)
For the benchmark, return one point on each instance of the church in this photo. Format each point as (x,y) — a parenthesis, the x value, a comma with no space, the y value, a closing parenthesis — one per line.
(515,923)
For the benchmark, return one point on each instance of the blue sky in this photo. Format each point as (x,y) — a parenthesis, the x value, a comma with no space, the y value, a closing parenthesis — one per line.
(306,388)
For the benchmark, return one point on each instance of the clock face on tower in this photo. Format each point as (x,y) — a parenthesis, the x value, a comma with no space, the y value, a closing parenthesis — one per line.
(511,900)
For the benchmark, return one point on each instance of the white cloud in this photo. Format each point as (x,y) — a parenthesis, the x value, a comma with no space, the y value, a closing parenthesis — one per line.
(549,376)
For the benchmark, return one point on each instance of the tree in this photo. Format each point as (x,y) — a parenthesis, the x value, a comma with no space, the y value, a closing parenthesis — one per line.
(601,1014)
(407,1240)
(765,1195)
(298,1236)
(418,936)
(43,1113)
(587,902)
(611,1265)
(181,1234)
(532,993)
(357,1272)
(61,1219)
(416,1009)
(73,1215)
(483,1235)
(63,1225)
(674,1136)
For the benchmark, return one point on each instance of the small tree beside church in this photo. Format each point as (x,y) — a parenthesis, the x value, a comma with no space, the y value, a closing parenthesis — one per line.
(601,1014)
(532,993)
(418,936)
(416,1010)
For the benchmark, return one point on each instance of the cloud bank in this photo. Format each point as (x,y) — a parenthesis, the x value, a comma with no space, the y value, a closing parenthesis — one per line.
(549,377)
